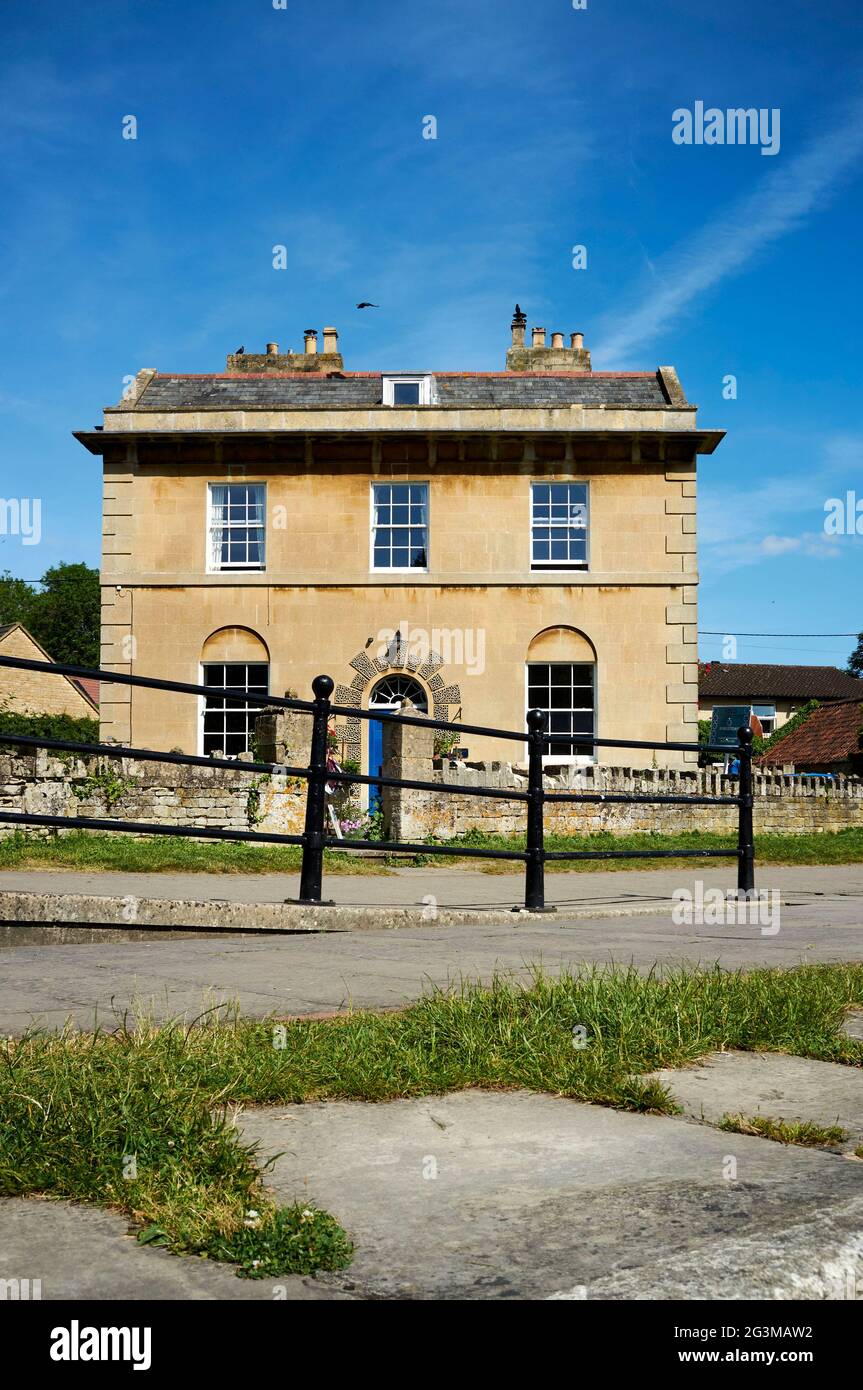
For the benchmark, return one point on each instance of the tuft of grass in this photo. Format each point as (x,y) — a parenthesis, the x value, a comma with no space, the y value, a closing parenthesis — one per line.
(802,1132)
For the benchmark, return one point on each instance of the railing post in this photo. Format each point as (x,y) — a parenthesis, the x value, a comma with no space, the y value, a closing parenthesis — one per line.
(534,879)
(313,833)
(745,836)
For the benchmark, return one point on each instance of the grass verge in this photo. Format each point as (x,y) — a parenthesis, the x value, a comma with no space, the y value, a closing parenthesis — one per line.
(94,850)
(141,1119)
(802,1132)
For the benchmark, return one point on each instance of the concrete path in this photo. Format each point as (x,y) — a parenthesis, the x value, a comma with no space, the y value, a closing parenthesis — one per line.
(827,887)
(306,974)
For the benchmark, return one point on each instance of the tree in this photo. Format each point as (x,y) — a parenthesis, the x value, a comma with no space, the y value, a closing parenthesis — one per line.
(63,615)
(16,596)
(855,660)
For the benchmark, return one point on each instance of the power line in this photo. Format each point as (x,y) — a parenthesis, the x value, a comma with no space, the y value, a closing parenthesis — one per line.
(729,632)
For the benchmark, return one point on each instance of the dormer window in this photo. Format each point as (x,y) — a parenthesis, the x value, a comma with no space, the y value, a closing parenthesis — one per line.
(407,390)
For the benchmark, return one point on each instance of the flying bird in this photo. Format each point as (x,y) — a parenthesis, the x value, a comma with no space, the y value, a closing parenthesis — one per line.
(365,305)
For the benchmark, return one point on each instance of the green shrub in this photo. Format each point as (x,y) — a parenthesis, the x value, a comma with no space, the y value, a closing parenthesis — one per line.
(49,726)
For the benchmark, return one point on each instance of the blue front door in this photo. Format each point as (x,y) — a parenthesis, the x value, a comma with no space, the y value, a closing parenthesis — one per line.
(376,759)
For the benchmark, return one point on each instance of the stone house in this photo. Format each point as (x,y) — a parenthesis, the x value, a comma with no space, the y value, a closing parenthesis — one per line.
(477,542)
(33,692)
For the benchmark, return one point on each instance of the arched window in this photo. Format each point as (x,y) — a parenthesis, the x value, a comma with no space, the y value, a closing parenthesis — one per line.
(561,679)
(237,659)
(394,690)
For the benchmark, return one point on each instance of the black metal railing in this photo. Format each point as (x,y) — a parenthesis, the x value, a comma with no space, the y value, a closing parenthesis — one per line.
(314,839)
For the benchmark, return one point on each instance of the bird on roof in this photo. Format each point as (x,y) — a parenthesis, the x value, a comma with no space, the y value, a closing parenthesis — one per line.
(365,305)
(518,311)
(239,352)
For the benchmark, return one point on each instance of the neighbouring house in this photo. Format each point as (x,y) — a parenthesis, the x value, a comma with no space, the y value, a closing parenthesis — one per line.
(34,692)
(773,693)
(476,542)
(830,739)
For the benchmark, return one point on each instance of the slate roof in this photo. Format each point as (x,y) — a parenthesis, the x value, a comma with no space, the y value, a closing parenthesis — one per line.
(831,734)
(296,390)
(740,681)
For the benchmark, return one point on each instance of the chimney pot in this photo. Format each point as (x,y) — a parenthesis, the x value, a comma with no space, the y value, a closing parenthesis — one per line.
(311,337)
(331,340)
(539,337)
(576,341)
(272,349)
(557,340)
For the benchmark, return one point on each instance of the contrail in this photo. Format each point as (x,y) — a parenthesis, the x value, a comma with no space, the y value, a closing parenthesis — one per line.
(725,245)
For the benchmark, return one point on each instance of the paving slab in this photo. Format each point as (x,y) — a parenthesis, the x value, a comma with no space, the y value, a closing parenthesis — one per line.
(513,1195)
(79,1252)
(773,1085)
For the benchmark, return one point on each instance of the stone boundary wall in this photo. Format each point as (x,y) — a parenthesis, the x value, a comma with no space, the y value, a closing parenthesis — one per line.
(783,804)
(165,794)
(170,795)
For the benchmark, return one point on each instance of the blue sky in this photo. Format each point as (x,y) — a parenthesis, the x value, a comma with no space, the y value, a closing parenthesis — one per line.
(303,126)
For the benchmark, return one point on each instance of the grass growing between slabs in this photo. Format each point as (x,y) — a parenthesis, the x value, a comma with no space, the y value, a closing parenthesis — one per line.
(142,1119)
(802,1132)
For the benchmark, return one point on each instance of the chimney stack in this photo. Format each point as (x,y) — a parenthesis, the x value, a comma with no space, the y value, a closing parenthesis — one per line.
(273,361)
(538,357)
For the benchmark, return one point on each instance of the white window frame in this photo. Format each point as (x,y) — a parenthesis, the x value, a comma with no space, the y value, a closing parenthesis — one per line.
(398,569)
(556,566)
(568,759)
(202,699)
(234,568)
(754,710)
(420,379)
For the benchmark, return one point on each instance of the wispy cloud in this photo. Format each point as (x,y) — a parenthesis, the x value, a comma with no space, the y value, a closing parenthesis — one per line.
(767,528)
(726,244)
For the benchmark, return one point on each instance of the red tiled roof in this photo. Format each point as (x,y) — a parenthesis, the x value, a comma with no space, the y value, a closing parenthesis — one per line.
(89,686)
(831,734)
